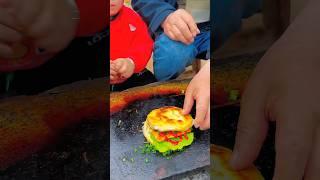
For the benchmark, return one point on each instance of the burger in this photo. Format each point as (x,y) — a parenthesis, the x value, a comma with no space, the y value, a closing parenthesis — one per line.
(167,129)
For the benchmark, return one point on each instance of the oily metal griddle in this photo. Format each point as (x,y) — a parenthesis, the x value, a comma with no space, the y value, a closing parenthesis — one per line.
(127,135)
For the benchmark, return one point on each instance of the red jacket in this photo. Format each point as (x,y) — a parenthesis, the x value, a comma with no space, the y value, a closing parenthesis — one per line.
(129,38)
(92,16)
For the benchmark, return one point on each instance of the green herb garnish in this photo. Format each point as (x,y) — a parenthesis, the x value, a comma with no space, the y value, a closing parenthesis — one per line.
(234,95)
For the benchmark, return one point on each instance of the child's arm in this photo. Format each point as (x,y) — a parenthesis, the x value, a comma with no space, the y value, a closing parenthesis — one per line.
(141,46)
(139,52)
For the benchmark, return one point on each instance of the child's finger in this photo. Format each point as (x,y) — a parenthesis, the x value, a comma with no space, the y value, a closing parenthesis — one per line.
(113,73)
(5,50)
(123,71)
(28,10)
(7,19)
(9,35)
(113,68)
(188,19)
(112,77)
(118,64)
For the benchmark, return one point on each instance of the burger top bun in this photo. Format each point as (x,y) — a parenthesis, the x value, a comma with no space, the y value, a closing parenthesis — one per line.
(169,118)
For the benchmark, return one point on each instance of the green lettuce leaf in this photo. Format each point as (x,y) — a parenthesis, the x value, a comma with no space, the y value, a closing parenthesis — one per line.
(166,146)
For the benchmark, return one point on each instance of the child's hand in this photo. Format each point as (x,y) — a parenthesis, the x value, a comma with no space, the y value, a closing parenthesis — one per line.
(125,67)
(113,71)
(7,34)
(199,90)
(115,77)
(180,26)
(50,23)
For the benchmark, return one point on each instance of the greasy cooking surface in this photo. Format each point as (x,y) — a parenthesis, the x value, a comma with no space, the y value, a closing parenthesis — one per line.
(125,135)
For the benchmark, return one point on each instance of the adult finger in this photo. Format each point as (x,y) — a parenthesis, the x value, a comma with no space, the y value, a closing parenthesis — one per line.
(313,167)
(178,34)
(184,29)
(188,19)
(252,126)
(188,99)
(202,104)
(9,35)
(206,123)
(294,136)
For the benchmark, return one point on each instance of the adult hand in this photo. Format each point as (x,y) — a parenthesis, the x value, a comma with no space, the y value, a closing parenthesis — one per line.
(51,24)
(283,88)
(199,90)
(180,26)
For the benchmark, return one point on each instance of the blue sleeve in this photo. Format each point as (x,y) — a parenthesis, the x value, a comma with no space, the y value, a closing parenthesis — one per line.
(154,12)
(227,16)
